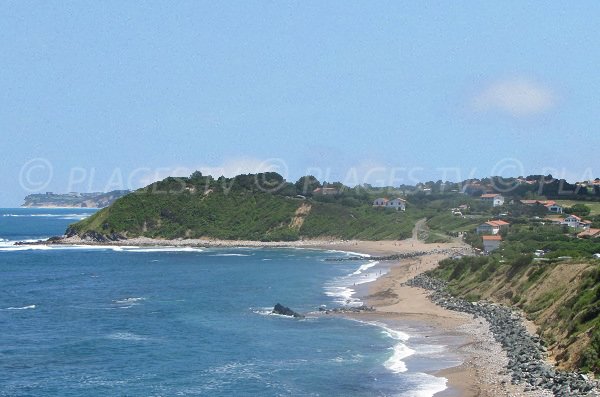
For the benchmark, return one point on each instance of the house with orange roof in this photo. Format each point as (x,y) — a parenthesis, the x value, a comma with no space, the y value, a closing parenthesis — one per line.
(326,191)
(576,222)
(380,202)
(550,205)
(590,233)
(492,227)
(491,243)
(493,199)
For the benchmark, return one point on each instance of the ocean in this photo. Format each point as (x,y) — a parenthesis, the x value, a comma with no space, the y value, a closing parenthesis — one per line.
(132,321)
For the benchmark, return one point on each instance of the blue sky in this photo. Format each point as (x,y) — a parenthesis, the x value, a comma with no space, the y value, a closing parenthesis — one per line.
(102,95)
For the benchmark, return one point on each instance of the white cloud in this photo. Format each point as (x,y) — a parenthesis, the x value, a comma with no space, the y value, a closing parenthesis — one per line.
(228,168)
(517,97)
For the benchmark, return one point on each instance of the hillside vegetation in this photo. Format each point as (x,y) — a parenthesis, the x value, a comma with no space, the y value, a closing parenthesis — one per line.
(250,207)
(562,297)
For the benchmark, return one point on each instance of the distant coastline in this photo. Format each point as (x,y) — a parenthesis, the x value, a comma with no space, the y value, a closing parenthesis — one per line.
(73,199)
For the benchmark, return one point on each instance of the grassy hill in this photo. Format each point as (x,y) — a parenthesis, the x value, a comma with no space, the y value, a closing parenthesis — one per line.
(251,207)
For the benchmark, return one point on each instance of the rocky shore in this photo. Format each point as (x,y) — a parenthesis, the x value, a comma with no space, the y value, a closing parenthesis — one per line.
(526,353)
(407,255)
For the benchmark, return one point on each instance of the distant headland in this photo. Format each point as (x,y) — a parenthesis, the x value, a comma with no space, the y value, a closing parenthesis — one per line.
(73,199)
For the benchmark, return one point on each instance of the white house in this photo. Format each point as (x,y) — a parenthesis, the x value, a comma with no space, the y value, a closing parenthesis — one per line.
(554,208)
(397,203)
(571,221)
(380,202)
(492,227)
(491,243)
(576,222)
(495,200)
(326,191)
(550,205)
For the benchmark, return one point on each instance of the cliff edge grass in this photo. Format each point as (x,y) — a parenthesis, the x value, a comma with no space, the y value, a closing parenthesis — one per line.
(260,207)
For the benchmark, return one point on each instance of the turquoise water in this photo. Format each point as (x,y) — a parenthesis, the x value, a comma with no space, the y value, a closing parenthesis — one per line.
(133,321)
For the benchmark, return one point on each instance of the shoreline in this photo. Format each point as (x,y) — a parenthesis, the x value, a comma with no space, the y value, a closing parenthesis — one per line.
(412,306)
(482,371)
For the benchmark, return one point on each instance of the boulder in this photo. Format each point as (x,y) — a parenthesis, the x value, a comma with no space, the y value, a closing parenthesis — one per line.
(286,311)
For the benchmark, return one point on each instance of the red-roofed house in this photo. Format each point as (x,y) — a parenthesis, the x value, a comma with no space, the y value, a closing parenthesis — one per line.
(550,205)
(576,222)
(326,191)
(494,199)
(590,233)
(492,227)
(491,243)
(380,202)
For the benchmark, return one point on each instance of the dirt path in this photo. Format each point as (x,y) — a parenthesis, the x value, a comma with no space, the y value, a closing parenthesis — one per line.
(420,230)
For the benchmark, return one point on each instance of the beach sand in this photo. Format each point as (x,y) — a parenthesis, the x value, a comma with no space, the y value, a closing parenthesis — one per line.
(482,372)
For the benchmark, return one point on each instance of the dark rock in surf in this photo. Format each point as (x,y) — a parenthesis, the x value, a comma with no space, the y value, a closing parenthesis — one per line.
(285,311)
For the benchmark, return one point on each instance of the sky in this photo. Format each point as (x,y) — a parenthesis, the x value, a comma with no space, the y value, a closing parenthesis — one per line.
(106,95)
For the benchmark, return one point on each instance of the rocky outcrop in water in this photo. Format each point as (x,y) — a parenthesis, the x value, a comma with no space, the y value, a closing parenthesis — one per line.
(285,311)
(526,353)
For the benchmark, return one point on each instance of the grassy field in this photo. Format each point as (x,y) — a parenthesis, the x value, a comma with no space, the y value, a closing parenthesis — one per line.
(594,205)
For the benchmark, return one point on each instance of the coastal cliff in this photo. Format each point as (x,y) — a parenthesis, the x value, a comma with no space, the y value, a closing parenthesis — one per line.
(73,200)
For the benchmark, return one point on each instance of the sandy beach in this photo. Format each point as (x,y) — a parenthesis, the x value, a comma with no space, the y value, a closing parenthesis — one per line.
(482,372)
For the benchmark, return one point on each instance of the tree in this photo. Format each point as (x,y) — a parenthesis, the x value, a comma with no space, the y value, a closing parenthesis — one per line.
(579,210)
(306,184)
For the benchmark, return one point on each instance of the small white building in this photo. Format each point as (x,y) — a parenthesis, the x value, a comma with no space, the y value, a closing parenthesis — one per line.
(576,222)
(325,191)
(398,204)
(554,208)
(495,200)
(491,243)
(492,227)
(380,202)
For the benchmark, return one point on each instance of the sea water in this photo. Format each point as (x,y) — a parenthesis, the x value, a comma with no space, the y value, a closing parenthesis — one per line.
(139,321)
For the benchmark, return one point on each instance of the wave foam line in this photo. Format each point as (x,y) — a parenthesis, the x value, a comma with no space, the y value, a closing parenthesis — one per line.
(21,308)
(9,246)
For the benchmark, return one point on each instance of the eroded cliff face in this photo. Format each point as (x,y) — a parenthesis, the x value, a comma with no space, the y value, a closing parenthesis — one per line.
(562,300)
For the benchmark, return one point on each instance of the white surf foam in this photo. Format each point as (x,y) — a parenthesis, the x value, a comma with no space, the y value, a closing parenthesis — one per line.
(365,267)
(342,289)
(400,352)
(231,255)
(126,336)
(350,253)
(162,249)
(21,308)
(10,246)
(128,301)
(60,216)
(268,311)
(425,385)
